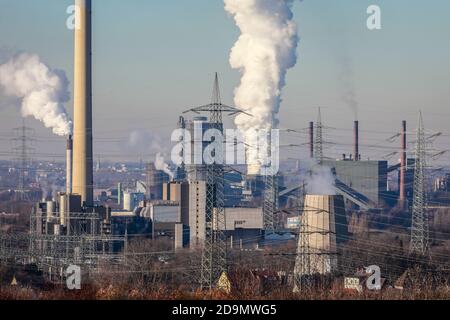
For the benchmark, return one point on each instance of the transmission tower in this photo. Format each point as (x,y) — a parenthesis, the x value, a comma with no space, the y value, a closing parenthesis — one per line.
(420,223)
(214,255)
(22,151)
(319,141)
(270,205)
(302,268)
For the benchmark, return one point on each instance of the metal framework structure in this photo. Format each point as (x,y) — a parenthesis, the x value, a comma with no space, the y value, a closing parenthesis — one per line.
(270,202)
(319,142)
(302,260)
(22,150)
(214,255)
(53,253)
(420,223)
(82,244)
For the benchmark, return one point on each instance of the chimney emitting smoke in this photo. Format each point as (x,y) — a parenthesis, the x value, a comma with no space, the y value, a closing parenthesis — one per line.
(356,142)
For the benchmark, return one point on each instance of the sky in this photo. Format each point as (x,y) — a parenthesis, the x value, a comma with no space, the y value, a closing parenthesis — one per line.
(154,59)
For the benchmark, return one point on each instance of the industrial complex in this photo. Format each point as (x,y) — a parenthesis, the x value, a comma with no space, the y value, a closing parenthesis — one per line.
(204,223)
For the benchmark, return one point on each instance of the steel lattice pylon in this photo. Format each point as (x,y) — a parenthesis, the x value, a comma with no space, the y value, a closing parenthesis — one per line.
(420,223)
(302,268)
(22,150)
(270,201)
(318,142)
(214,255)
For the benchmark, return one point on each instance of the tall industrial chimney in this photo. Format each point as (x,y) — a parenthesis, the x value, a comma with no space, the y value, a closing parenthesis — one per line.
(402,191)
(311,140)
(356,143)
(69,155)
(82,179)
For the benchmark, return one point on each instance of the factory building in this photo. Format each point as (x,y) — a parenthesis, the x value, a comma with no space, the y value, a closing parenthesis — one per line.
(243,226)
(183,210)
(131,200)
(66,217)
(366,177)
(154,182)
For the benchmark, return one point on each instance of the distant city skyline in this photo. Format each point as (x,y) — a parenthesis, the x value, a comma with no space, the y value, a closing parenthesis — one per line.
(153,60)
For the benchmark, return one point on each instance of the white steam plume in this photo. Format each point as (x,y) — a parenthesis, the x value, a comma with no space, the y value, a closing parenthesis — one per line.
(161,165)
(264,52)
(318,180)
(42,91)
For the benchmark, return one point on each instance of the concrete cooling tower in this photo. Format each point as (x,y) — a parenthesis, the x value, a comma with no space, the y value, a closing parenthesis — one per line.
(323,227)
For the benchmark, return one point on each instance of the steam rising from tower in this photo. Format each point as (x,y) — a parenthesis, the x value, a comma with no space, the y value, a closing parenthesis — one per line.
(263,53)
(42,91)
(82,181)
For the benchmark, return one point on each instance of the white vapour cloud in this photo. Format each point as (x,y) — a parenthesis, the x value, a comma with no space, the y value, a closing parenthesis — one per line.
(145,141)
(264,52)
(318,180)
(161,165)
(42,91)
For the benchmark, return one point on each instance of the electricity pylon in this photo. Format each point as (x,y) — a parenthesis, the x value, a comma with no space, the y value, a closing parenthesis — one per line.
(420,223)
(319,142)
(22,149)
(214,254)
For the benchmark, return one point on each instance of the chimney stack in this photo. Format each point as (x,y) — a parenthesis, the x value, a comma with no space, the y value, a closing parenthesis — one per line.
(82,179)
(69,156)
(311,139)
(356,143)
(402,191)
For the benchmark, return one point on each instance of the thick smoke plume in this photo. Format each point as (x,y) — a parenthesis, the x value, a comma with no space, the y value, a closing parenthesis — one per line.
(42,91)
(264,52)
(161,165)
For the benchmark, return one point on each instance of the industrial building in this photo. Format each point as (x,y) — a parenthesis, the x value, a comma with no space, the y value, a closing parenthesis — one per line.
(366,177)
(70,228)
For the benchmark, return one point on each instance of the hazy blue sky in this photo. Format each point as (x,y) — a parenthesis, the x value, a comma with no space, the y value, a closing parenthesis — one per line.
(153,59)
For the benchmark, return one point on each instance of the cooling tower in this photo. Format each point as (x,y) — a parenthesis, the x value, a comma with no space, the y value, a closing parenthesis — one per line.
(82,179)
(323,227)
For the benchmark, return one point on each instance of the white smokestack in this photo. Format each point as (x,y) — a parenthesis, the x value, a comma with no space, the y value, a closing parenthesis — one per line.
(42,91)
(263,53)
(161,165)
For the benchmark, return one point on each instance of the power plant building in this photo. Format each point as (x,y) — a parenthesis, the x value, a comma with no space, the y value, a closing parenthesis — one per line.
(366,177)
